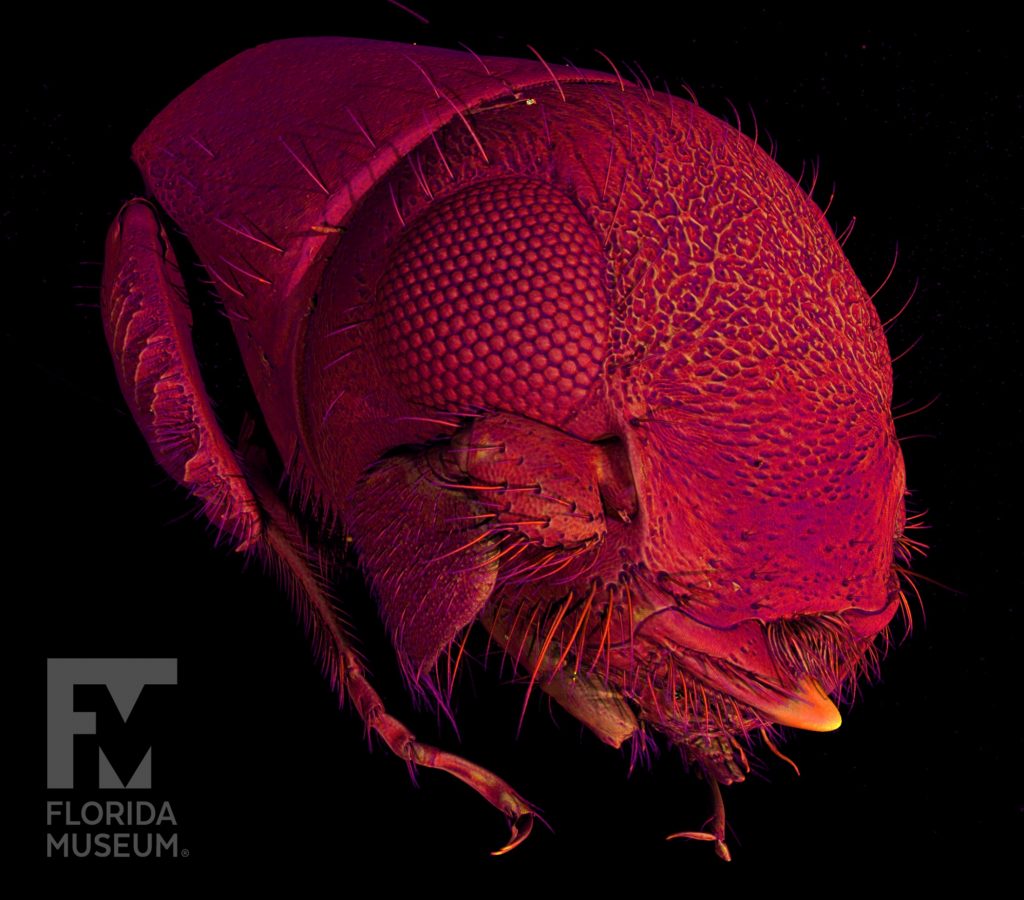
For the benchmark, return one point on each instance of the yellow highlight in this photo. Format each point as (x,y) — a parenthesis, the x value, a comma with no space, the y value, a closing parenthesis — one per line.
(808,708)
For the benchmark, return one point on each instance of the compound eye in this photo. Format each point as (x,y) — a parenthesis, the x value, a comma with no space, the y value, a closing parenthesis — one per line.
(496,297)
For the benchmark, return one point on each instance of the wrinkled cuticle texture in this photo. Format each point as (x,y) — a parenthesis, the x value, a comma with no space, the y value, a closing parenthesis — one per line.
(636,272)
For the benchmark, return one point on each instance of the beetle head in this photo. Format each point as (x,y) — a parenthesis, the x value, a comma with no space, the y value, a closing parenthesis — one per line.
(651,442)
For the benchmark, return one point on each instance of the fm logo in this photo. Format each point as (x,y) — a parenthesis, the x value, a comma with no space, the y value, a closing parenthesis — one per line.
(102,703)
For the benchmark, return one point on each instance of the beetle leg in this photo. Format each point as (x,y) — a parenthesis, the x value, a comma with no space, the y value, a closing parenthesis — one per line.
(718,822)
(284,548)
(148,325)
(401,741)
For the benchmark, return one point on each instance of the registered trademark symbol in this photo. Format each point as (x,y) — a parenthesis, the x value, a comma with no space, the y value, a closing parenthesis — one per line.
(184,852)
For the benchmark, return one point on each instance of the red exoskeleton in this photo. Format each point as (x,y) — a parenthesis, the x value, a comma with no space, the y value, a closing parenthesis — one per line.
(555,353)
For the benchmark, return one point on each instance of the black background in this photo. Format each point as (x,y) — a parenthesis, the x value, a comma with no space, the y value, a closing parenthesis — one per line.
(917,125)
